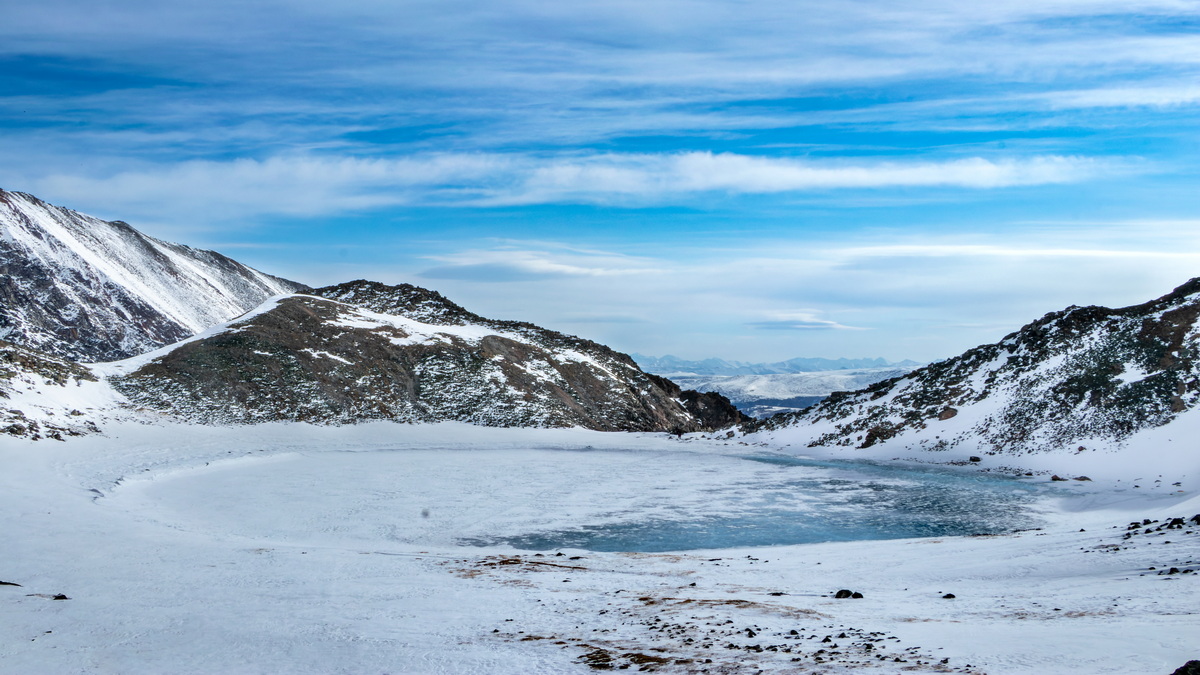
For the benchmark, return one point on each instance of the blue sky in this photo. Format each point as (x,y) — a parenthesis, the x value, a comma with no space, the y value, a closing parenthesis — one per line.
(749,180)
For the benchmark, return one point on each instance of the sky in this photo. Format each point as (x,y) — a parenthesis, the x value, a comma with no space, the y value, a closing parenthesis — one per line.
(753,181)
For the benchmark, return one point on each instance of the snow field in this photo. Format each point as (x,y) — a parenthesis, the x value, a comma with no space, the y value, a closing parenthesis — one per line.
(177,556)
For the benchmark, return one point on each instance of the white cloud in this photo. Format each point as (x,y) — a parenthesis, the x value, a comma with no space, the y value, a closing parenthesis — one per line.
(308,185)
(1126,97)
(513,263)
(798,320)
(287,185)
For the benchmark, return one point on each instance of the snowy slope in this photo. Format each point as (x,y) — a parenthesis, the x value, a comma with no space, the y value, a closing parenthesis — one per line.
(92,290)
(310,358)
(43,396)
(305,549)
(1079,381)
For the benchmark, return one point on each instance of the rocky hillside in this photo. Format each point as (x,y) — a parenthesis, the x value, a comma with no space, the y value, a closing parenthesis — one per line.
(91,290)
(1074,380)
(366,351)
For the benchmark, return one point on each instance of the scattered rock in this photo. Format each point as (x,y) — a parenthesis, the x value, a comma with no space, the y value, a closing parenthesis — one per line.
(948,596)
(1057,477)
(598,659)
(973,458)
(1083,478)
(844,593)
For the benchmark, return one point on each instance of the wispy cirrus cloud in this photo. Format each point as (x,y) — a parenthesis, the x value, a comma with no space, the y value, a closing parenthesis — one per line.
(521,263)
(799,320)
(309,185)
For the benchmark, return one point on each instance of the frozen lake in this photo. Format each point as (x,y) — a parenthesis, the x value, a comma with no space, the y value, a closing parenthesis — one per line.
(598,500)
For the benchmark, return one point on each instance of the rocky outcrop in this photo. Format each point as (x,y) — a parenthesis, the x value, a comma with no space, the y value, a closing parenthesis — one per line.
(408,354)
(1073,377)
(92,290)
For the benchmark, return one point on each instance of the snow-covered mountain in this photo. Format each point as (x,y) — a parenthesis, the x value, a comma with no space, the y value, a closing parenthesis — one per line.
(365,351)
(762,395)
(91,290)
(1077,380)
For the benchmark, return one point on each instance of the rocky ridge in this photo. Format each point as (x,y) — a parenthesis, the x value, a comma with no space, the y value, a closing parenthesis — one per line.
(365,351)
(87,289)
(1073,380)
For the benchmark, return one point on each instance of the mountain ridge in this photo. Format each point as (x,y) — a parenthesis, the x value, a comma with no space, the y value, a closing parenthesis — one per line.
(92,290)
(317,359)
(1074,380)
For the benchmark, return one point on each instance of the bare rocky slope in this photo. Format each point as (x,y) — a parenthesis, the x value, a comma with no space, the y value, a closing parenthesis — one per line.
(365,351)
(1074,380)
(91,290)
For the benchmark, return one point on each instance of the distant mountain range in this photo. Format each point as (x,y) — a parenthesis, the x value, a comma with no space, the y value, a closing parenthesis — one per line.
(766,395)
(670,366)
(765,389)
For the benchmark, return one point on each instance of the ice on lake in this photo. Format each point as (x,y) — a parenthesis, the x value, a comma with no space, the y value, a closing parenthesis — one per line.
(599,500)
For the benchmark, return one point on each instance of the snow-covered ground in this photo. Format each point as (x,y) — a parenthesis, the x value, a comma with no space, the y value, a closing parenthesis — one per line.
(302,549)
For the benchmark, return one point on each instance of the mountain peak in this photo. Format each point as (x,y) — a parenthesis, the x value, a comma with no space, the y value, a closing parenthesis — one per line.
(413,302)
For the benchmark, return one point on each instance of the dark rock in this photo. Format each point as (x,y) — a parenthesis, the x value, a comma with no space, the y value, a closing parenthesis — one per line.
(1083,479)
(1189,668)
(844,593)
(948,596)
(973,458)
